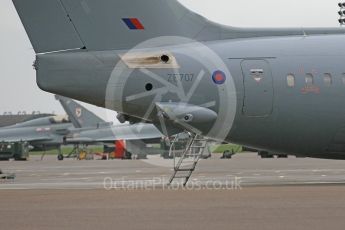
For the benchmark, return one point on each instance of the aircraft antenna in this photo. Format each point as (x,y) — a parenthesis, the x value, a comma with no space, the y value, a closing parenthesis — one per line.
(341,13)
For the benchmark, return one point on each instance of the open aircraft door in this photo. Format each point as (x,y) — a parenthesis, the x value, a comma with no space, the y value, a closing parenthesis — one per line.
(258,88)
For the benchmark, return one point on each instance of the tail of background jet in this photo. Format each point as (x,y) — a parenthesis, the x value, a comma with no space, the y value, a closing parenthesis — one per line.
(56,25)
(79,115)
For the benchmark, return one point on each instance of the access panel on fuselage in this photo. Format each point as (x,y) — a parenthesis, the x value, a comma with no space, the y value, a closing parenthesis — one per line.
(258,88)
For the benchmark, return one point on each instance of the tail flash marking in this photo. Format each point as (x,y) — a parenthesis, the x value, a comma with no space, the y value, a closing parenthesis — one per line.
(133,23)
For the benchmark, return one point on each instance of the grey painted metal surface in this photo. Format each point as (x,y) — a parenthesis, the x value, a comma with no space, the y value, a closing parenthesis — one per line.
(41,133)
(92,129)
(304,119)
(258,83)
(98,25)
(54,131)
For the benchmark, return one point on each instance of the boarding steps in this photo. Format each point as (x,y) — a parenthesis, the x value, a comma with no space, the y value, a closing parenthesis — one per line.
(185,161)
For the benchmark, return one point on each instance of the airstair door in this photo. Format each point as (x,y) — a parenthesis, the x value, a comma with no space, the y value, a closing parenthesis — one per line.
(258,88)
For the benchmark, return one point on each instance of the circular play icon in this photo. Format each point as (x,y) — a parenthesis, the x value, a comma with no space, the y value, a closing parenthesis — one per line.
(219,77)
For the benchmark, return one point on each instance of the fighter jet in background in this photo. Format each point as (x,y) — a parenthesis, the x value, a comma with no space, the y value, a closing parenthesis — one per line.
(47,133)
(80,127)
(136,136)
(42,133)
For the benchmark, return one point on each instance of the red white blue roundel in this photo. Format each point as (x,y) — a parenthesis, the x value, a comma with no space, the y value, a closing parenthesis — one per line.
(219,77)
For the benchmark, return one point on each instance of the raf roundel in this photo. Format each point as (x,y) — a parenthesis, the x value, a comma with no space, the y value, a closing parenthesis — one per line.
(219,77)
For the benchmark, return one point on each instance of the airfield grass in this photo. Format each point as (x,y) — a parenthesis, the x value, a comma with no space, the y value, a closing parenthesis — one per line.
(229,147)
(66,150)
(98,149)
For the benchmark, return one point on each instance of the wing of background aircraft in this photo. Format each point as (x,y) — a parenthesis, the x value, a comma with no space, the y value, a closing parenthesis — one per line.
(143,132)
(25,138)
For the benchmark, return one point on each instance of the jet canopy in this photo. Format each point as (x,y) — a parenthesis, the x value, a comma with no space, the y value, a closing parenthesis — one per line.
(44,121)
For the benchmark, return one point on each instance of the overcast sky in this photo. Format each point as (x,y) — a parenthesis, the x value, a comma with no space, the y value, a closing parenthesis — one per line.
(18,86)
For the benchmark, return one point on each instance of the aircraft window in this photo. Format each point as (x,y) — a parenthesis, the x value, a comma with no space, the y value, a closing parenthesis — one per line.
(327,78)
(309,79)
(290,80)
(343,79)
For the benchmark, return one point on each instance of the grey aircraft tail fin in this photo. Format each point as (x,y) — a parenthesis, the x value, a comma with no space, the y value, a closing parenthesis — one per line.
(56,25)
(79,115)
(47,25)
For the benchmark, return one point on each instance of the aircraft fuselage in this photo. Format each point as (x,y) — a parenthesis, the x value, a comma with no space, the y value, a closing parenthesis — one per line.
(282,94)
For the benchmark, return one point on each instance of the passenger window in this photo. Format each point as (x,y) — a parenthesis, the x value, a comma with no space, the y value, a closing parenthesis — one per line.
(327,78)
(290,80)
(309,79)
(343,78)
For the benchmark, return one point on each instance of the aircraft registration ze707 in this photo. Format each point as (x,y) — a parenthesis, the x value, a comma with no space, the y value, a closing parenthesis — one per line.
(280,90)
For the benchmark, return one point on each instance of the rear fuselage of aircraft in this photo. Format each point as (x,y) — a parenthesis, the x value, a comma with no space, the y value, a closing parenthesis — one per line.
(283,94)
